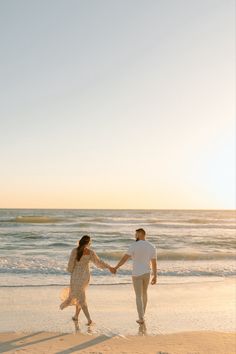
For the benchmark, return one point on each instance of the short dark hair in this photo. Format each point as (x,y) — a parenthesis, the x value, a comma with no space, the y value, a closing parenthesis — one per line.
(142,231)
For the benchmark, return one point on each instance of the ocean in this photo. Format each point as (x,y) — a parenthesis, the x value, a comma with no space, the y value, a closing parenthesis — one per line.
(191,245)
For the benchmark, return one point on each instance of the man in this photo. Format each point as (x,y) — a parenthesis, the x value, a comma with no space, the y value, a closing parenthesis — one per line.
(142,252)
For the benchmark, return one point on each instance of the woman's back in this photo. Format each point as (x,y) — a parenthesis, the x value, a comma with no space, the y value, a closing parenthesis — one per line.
(83,263)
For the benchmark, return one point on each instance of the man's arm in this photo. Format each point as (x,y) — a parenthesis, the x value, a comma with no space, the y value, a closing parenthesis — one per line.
(122,261)
(154,271)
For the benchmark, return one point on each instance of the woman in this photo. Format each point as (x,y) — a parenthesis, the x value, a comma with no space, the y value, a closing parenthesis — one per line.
(78,266)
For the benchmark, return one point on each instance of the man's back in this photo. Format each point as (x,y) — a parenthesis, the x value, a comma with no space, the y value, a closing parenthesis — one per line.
(141,252)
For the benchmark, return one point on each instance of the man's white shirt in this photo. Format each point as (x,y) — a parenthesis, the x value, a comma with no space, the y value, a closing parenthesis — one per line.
(141,252)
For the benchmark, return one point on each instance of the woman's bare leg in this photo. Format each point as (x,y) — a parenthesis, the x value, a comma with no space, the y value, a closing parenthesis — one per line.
(78,309)
(83,304)
(87,314)
(77,312)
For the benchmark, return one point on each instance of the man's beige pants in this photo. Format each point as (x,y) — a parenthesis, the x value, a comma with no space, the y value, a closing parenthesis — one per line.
(140,284)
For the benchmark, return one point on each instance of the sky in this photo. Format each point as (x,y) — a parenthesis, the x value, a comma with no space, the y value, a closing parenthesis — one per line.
(117,104)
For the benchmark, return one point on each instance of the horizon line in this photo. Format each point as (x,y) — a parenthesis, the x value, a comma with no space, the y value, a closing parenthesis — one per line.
(160,209)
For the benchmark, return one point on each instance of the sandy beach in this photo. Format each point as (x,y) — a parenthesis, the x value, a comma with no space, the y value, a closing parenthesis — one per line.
(59,343)
(192,318)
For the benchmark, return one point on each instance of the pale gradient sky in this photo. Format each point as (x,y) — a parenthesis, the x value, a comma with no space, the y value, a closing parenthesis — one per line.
(117,104)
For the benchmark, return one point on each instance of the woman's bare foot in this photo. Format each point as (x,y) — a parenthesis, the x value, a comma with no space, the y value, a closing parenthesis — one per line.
(140,322)
(75,318)
(90,323)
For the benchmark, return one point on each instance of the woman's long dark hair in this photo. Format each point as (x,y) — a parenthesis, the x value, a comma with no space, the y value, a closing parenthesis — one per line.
(82,244)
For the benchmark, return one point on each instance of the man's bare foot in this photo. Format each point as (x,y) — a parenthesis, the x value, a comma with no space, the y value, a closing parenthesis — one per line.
(75,318)
(90,323)
(140,322)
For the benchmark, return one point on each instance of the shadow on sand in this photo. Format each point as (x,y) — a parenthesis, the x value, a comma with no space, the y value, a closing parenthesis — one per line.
(85,345)
(14,345)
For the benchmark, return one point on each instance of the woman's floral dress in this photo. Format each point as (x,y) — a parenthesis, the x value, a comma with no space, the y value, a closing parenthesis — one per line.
(80,276)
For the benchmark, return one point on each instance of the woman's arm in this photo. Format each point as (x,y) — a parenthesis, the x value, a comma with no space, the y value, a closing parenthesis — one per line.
(98,262)
(72,259)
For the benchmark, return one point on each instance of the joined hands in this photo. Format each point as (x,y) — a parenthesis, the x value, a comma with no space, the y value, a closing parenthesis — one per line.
(112,270)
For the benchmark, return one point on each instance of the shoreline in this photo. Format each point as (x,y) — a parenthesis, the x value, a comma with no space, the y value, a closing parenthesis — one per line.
(181,281)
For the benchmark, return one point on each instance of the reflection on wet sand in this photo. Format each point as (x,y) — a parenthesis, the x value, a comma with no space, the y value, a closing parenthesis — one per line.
(78,329)
(142,331)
